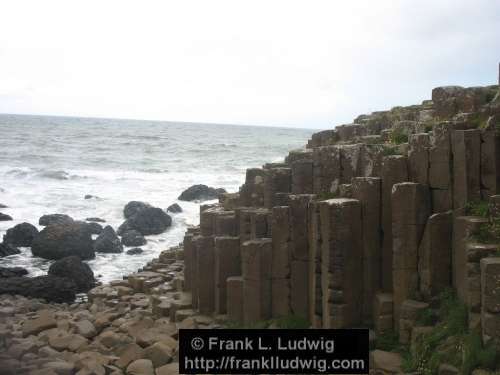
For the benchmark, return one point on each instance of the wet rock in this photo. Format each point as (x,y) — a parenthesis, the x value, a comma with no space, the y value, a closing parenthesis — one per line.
(21,235)
(7,249)
(200,193)
(4,217)
(133,238)
(147,221)
(108,242)
(89,196)
(95,219)
(133,207)
(174,208)
(50,288)
(94,228)
(3,205)
(54,219)
(12,272)
(73,268)
(135,251)
(57,241)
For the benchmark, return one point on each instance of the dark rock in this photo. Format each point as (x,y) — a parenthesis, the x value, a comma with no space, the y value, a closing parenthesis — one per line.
(147,221)
(50,288)
(54,219)
(174,208)
(200,193)
(4,217)
(12,272)
(73,268)
(94,228)
(95,219)
(134,251)
(57,241)
(108,241)
(21,235)
(3,206)
(133,238)
(7,249)
(89,196)
(133,207)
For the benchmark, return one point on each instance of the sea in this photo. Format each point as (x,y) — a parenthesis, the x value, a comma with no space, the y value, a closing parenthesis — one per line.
(48,164)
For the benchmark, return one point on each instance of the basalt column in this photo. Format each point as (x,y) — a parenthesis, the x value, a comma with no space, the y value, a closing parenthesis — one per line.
(326,169)
(315,294)
(466,167)
(410,210)
(341,262)
(276,180)
(463,228)
(490,162)
(205,274)
(440,168)
(252,191)
(227,264)
(394,170)
(281,261)
(299,272)
(434,255)
(490,310)
(256,256)
(368,191)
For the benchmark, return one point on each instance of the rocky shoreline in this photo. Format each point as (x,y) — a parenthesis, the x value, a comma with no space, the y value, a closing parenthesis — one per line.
(128,326)
(391,223)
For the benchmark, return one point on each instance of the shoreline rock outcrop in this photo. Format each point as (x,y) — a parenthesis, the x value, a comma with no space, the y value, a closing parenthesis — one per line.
(21,235)
(63,239)
(200,193)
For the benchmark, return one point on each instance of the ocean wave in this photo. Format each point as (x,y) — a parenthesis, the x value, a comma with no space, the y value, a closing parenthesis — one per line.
(55,175)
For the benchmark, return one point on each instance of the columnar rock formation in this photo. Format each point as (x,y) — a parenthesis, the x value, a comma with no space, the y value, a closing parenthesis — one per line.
(364,226)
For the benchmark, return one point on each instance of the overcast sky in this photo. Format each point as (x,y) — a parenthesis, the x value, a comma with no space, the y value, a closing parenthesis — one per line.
(286,63)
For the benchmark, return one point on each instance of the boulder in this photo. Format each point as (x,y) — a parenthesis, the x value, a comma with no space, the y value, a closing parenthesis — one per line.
(89,196)
(7,249)
(141,367)
(57,241)
(54,219)
(21,235)
(133,238)
(108,242)
(85,328)
(174,208)
(95,219)
(12,272)
(159,353)
(135,251)
(50,288)
(44,321)
(170,369)
(94,228)
(147,221)
(4,217)
(73,268)
(3,205)
(200,193)
(133,207)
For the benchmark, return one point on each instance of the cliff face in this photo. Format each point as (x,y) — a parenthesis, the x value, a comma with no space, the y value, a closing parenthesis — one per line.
(364,226)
